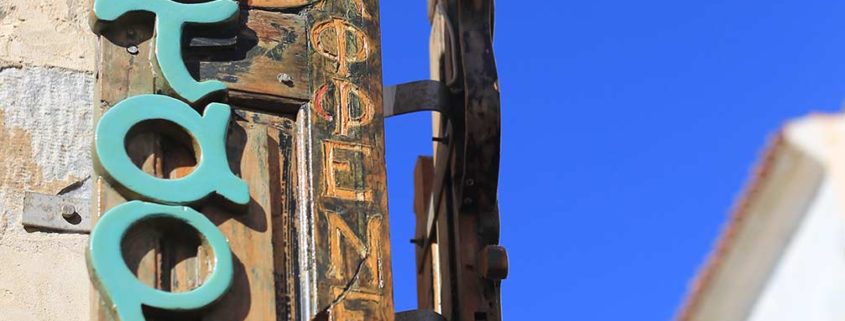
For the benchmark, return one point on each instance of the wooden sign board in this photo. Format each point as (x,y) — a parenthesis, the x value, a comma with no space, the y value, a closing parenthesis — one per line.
(460,264)
(305,135)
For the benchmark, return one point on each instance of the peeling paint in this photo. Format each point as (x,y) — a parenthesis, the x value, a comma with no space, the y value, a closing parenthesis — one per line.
(45,137)
(45,130)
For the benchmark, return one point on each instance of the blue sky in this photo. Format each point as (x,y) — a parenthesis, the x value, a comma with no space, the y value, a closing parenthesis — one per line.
(629,128)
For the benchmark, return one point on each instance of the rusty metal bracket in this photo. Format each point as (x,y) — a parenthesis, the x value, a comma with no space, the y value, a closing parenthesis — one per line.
(56,212)
(423,95)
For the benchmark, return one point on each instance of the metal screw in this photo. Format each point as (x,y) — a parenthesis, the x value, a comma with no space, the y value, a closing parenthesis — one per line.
(68,211)
(470,182)
(284,78)
(133,50)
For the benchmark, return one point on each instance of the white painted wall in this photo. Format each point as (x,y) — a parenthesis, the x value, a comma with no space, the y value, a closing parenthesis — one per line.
(783,252)
(809,281)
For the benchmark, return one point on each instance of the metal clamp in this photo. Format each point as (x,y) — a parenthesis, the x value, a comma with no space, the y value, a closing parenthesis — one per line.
(56,212)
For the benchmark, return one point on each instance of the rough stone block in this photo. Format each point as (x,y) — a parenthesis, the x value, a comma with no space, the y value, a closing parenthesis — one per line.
(46,33)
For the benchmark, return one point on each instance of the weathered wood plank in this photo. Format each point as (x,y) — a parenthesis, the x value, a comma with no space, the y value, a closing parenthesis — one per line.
(476,190)
(278,4)
(254,152)
(268,58)
(446,243)
(423,181)
(327,54)
(170,259)
(283,139)
(471,264)
(343,241)
(120,75)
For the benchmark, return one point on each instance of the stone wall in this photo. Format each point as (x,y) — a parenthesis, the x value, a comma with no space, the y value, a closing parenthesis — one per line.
(46,90)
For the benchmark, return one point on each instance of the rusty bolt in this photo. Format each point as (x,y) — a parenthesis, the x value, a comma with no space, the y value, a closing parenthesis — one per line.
(132,50)
(68,211)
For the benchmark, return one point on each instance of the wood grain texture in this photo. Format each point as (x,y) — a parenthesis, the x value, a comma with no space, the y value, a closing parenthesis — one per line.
(162,254)
(268,57)
(423,181)
(465,220)
(278,4)
(121,75)
(313,241)
(343,241)
(258,294)
(476,192)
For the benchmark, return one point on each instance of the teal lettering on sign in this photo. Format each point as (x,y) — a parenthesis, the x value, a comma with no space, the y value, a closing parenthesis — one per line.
(171,17)
(116,282)
(123,290)
(212,173)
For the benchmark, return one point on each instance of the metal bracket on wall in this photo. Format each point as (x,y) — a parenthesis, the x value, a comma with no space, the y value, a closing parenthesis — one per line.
(56,212)
(423,95)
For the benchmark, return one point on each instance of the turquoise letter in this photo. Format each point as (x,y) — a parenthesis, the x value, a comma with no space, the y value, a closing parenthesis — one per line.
(123,290)
(212,173)
(171,17)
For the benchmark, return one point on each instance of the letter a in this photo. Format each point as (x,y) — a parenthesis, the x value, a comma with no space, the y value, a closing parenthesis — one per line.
(212,173)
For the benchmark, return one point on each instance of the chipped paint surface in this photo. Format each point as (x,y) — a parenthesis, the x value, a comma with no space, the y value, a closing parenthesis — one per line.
(46,33)
(47,121)
(45,139)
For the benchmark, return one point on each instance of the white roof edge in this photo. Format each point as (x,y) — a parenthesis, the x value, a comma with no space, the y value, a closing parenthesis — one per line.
(784,183)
